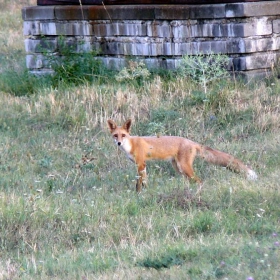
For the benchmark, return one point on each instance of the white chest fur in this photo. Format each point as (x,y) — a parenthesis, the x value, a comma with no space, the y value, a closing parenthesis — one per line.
(126,147)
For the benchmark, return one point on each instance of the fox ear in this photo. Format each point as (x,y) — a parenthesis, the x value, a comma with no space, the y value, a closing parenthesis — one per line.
(127,125)
(112,125)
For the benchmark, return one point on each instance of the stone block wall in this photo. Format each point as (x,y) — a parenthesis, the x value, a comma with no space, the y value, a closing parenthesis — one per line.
(249,33)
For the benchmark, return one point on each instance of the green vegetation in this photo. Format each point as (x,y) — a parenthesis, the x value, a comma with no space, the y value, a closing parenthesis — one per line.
(204,69)
(68,208)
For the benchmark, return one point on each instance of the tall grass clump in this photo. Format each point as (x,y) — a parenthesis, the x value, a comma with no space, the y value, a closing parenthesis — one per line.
(72,68)
(19,82)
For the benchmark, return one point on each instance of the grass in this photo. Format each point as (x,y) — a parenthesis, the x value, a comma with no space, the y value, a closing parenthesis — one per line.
(68,208)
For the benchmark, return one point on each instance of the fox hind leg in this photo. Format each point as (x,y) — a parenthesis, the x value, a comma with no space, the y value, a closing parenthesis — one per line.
(188,171)
(185,167)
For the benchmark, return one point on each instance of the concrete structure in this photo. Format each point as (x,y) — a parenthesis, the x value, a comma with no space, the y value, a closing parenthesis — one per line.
(249,33)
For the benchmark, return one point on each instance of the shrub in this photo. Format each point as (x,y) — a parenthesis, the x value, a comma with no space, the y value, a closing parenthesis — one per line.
(74,68)
(204,69)
(136,72)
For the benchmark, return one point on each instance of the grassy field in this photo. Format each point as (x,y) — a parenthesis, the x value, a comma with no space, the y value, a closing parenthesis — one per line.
(68,207)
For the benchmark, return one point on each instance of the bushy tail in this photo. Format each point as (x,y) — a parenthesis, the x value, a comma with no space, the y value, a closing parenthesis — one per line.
(223,159)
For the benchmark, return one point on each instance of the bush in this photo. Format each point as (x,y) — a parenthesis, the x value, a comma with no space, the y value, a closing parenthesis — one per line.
(136,72)
(72,68)
(204,69)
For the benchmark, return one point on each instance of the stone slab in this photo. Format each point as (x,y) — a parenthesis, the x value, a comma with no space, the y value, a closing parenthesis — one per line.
(119,28)
(276,26)
(40,45)
(122,12)
(253,9)
(31,28)
(152,12)
(56,28)
(37,61)
(71,12)
(38,13)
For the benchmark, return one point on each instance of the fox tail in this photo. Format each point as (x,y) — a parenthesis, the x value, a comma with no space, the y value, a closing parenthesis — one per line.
(223,159)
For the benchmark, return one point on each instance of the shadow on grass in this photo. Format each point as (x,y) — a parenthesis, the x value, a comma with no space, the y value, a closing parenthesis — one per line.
(182,199)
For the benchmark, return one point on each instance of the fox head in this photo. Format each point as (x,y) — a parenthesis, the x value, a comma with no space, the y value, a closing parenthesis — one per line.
(119,133)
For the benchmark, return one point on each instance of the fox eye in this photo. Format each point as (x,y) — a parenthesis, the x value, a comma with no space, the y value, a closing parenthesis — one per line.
(115,135)
(123,135)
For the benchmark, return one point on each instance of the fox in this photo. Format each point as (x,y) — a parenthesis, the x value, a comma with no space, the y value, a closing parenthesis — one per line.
(179,150)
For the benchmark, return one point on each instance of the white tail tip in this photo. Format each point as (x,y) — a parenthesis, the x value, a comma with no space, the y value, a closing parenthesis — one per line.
(252,175)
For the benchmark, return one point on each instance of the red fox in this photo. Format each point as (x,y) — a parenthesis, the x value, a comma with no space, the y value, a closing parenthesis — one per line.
(181,151)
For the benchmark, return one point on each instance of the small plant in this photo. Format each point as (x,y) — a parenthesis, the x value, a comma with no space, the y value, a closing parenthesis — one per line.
(204,69)
(136,71)
(204,222)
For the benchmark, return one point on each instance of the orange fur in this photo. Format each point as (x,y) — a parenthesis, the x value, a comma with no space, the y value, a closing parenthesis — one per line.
(179,150)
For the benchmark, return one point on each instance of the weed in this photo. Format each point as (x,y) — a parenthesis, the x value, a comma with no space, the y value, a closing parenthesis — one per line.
(204,69)
(204,222)
(136,72)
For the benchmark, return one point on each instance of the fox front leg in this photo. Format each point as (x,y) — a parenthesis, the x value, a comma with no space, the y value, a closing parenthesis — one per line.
(141,178)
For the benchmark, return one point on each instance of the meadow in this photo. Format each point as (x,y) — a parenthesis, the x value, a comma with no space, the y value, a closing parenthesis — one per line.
(68,206)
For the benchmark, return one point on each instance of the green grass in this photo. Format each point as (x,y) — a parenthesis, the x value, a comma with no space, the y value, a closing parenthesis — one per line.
(68,207)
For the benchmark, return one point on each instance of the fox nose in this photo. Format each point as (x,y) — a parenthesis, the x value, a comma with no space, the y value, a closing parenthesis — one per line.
(119,143)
